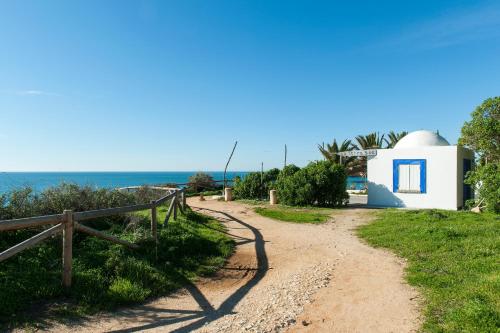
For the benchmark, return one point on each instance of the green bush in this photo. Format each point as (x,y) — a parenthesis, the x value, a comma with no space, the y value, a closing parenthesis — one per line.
(320,183)
(201,181)
(254,185)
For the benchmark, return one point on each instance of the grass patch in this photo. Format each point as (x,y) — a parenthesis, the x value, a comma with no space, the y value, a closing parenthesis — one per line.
(107,275)
(293,214)
(454,260)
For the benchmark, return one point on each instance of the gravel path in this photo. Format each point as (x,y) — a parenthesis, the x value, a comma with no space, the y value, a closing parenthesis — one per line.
(283,277)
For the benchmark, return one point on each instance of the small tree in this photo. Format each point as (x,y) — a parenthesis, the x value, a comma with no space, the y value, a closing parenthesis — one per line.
(201,181)
(482,134)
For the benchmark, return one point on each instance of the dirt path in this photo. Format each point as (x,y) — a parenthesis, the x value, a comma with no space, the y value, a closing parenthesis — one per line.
(283,277)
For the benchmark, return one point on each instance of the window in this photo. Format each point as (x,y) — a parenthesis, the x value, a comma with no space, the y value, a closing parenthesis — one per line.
(409,176)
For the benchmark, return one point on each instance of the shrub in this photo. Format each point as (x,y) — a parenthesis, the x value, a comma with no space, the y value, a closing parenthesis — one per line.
(201,181)
(255,185)
(321,183)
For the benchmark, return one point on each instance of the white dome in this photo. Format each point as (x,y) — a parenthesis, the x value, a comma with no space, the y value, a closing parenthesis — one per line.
(421,139)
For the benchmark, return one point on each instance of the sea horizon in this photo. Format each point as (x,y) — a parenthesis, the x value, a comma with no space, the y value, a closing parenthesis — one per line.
(41,180)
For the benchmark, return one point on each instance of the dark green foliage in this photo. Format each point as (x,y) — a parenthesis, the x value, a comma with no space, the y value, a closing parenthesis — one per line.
(453,258)
(254,185)
(201,181)
(104,274)
(482,134)
(320,183)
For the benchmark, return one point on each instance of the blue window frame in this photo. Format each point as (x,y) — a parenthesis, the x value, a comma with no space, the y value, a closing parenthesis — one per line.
(395,173)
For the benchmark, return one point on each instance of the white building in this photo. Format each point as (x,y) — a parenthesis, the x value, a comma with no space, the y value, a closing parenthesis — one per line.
(422,171)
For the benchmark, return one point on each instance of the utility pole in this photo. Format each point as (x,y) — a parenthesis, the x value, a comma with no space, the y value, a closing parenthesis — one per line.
(229,160)
(285,157)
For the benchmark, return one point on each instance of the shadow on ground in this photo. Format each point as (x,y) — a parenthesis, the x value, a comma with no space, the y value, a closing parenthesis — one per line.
(207,313)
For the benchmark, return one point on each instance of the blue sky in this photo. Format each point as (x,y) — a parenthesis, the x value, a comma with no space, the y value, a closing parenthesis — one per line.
(170,85)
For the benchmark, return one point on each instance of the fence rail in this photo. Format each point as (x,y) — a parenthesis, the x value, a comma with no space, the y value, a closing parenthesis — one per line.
(29,222)
(158,187)
(68,221)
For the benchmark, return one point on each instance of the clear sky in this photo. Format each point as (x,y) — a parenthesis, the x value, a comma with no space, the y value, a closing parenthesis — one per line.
(170,85)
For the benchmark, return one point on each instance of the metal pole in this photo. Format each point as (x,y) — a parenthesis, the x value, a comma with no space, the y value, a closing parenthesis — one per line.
(285,156)
(225,169)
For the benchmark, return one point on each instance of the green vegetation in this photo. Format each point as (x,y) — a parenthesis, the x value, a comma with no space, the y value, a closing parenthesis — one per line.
(453,259)
(255,185)
(297,215)
(200,182)
(482,134)
(105,275)
(320,183)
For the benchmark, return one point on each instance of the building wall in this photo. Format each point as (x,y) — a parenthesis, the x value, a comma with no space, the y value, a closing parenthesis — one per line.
(442,180)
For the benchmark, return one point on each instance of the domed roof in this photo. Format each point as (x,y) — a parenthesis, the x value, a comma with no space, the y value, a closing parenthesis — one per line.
(421,138)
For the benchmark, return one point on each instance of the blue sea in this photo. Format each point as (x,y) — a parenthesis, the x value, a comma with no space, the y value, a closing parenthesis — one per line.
(42,180)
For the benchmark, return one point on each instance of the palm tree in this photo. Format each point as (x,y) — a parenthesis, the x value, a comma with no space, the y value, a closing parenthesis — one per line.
(394,138)
(330,153)
(370,141)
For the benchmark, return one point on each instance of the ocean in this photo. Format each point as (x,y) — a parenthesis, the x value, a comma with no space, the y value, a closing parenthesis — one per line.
(42,180)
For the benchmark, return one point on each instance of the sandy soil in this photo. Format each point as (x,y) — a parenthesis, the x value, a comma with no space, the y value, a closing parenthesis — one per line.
(283,277)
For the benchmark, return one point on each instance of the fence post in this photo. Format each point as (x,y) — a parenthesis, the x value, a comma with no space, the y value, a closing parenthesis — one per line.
(183,199)
(175,204)
(154,224)
(228,194)
(67,248)
(273,199)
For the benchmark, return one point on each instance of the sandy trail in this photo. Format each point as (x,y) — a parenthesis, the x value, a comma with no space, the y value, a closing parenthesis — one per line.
(283,277)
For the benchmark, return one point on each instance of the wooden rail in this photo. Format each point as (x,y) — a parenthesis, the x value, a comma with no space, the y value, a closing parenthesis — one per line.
(68,222)
(29,222)
(156,187)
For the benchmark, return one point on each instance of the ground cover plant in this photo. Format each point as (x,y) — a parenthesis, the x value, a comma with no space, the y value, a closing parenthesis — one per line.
(453,258)
(105,275)
(297,215)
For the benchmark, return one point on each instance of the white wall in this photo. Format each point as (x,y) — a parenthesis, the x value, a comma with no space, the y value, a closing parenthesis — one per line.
(441,178)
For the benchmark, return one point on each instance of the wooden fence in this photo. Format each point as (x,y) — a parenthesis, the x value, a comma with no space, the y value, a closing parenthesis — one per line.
(69,221)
